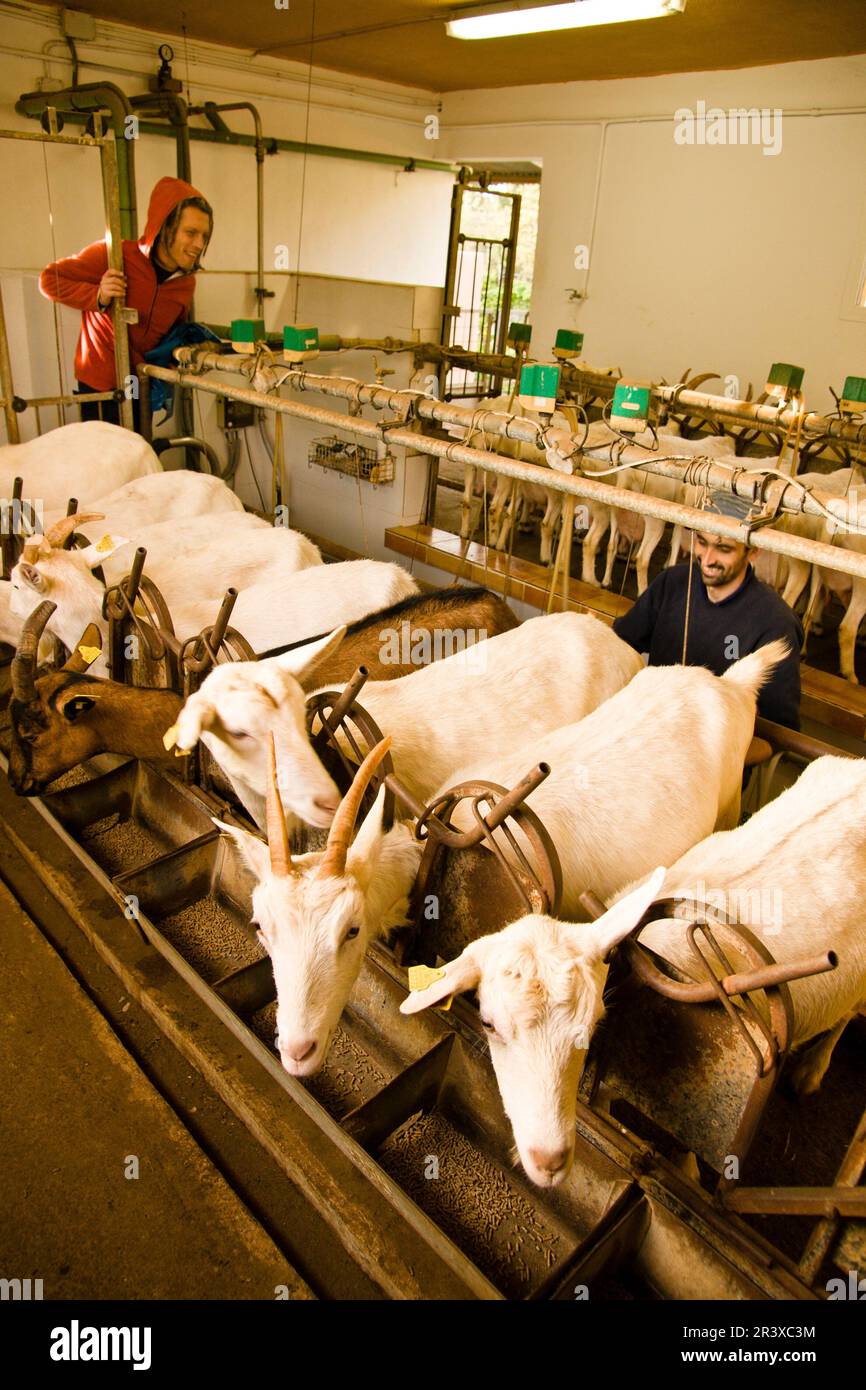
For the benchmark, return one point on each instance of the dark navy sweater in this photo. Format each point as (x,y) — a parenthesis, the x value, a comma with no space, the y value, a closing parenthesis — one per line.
(719,633)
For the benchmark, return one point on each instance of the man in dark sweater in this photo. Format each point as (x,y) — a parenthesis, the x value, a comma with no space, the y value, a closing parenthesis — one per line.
(731,613)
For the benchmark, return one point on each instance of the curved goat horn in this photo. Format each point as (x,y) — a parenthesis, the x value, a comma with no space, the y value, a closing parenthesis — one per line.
(278,835)
(62,529)
(23,669)
(333,862)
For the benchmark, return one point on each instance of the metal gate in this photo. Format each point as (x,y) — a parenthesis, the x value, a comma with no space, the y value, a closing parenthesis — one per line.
(478,286)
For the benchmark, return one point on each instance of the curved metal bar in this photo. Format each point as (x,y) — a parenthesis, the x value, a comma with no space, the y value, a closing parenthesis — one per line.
(505,803)
(200,652)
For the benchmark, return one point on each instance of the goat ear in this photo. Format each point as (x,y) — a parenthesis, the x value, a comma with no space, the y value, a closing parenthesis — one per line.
(87,651)
(75,705)
(254,851)
(195,718)
(614,926)
(94,555)
(32,577)
(364,849)
(303,660)
(460,974)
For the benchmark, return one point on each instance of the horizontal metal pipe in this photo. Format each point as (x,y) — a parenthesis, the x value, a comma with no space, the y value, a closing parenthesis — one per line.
(273,144)
(91,140)
(792,741)
(72,398)
(778,542)
(776,418)
(762,977)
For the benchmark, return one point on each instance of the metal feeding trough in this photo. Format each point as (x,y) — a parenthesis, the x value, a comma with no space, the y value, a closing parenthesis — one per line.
(415,1099)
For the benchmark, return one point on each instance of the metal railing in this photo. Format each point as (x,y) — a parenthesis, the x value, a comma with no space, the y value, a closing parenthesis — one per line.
(12,404)
(414,409)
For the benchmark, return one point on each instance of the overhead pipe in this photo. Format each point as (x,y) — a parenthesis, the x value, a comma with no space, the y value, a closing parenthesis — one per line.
(499,423)
(88,98)
(577,485)
(272,144)
(177,113)
(779,419)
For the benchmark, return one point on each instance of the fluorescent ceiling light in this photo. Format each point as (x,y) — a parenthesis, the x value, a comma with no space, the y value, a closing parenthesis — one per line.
(505,22)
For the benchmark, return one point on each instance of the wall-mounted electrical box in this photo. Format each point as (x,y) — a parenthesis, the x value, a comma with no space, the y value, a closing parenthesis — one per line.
(235,415)
(78,26)
(245,333)
(519,336)
(300,342)
(853,399)
(785,380)
(568,344)
(539,384)
(630,407)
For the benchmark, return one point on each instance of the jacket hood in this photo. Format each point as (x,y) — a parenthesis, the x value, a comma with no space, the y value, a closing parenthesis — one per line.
(166,195)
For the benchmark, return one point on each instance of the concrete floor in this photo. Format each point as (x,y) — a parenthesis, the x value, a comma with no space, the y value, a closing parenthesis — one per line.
(74,1110)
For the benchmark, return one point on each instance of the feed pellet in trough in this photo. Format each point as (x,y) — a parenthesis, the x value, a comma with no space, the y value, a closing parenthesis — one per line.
(349,1076)
(474,1203)
(118,845)
(210,938)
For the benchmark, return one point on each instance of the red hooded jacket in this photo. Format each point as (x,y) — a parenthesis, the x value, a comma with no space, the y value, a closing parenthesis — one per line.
(75,281)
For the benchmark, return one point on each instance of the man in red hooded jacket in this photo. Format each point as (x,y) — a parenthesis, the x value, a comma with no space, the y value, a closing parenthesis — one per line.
(158,279)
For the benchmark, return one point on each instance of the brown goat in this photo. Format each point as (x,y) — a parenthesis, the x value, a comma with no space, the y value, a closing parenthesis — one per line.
(398,640)
(65,717)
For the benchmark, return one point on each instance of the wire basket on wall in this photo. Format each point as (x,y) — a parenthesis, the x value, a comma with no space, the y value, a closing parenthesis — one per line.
(356,460)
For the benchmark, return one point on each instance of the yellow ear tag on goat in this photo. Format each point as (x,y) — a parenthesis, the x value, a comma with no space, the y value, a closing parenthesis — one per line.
(89,654)
(105,544)
(169,738)
(422,976)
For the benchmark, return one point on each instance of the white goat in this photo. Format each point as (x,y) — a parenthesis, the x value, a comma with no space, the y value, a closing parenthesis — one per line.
(511,498)
(540,989)
(81,460)
(795,875)
(790,576)
(183,559)
(850,591)
(157,497)
(640,780)
(317,913)
(651,771)
(547,672)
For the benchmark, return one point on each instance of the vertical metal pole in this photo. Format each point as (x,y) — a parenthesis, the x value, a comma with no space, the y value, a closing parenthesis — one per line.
(145,411)
(508,280)
(260,221)
(445,338)
(113,241)
(6,384)
(448,306)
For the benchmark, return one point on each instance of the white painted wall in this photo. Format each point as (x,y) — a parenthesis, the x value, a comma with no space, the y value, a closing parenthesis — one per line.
(717,258)
(366,236)
(703,257)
